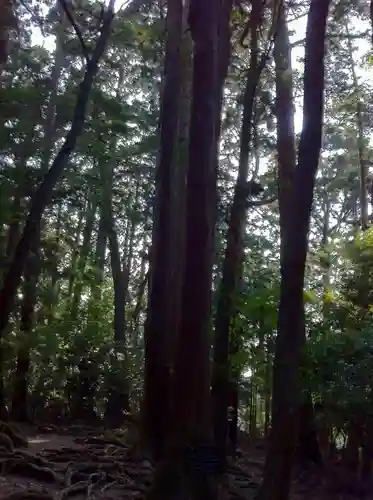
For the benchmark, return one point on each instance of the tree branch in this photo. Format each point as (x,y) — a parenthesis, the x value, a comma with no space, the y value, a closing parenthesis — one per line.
(77,30)
(341,36)
(261,203)
(134,6)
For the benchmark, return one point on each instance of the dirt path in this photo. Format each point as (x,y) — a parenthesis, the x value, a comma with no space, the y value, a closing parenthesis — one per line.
(84,463)
(77,463)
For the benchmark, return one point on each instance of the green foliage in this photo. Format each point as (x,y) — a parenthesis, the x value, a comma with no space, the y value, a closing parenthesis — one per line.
(74,310)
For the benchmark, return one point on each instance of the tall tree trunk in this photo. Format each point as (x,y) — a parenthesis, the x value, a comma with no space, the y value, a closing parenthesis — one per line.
(291,321)
(160,326)
(234,250)
(326,263)
(285,123)
(364,218)
(128,254)
(44,192)
(119,287)
(59,61)
(361,147)
(308,444)
(118,397)
(83,255)
(7,23)
(135,320)
(267,389)
(19,408)
(191,412)
(15,225)
(54,288)
(179,180)
(75,253)
(192,387)
(119,389)
(100,255)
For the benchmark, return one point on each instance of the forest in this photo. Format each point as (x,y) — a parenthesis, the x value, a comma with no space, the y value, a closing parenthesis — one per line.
(186,250)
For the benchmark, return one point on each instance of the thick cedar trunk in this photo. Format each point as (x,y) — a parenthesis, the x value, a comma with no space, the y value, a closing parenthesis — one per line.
(159,330)
(179,180)
(232,264)
(44,192)
(291,323)
(191,411)
(191,395)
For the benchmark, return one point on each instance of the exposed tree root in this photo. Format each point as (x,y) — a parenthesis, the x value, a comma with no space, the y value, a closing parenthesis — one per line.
(28,495)
(14,434)
(6,442)
(101,465)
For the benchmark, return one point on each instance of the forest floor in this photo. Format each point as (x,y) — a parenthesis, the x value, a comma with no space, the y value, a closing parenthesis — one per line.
(56,463)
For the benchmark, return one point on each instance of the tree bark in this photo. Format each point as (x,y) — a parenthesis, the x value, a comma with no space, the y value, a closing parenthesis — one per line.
(291,321)
(286,152)
(308,445)
(160,327)
(83,256)
(19,409)
(361,146)
(191,394)
(191,411)
(232,264)
(118,397)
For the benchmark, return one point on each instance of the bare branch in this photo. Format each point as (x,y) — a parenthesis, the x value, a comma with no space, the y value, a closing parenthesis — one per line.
(261,203)
(132,7)
(77,30)
(357,36)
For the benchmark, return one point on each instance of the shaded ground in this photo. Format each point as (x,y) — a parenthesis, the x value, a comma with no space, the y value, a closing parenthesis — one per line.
(82,463)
